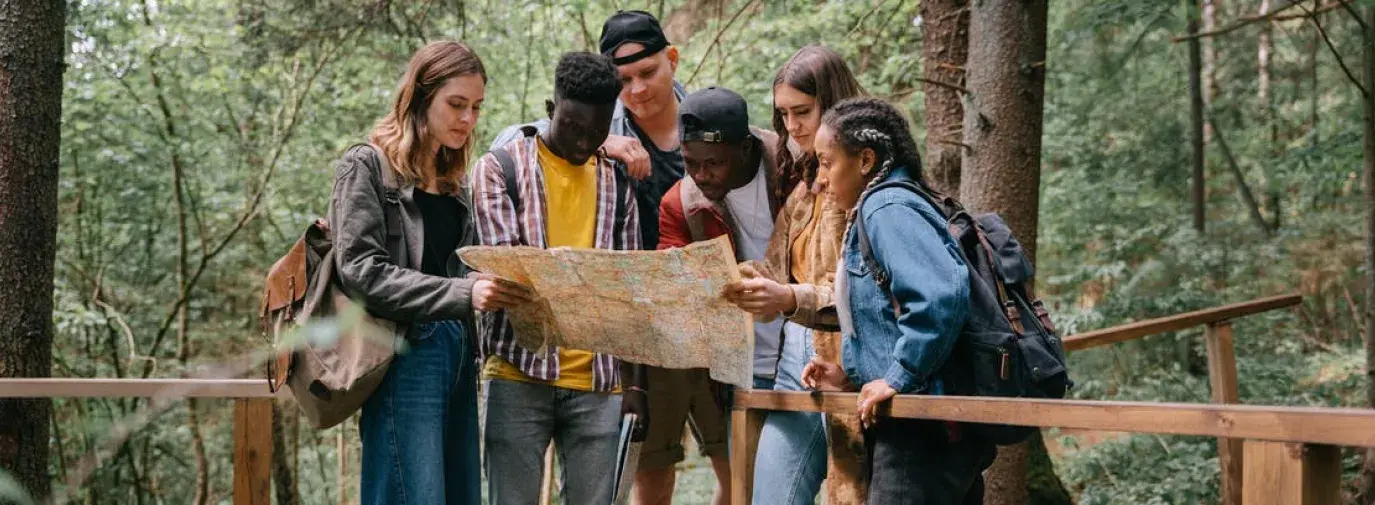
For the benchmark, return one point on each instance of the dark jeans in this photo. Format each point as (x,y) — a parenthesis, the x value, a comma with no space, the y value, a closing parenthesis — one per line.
(419,430)
(913,462)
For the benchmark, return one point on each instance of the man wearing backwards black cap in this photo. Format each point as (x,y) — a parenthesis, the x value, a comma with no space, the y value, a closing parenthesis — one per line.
(729,191)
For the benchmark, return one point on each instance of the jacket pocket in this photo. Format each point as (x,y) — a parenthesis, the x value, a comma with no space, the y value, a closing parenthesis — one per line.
(855,264)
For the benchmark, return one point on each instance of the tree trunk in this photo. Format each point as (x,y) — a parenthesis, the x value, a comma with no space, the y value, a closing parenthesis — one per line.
(1002,169)
(944,50)
(1368,69)
(1264,46)
(1210,85)
(1196,116)
(1314,43)
(31,50)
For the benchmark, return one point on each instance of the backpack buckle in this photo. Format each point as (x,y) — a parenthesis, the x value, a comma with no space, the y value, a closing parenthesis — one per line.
(1014,316)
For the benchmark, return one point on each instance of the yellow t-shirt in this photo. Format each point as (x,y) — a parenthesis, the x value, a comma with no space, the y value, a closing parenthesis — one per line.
(571,210)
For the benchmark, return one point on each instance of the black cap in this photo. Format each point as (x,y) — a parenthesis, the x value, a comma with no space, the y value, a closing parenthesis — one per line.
(632,26)
(714,115)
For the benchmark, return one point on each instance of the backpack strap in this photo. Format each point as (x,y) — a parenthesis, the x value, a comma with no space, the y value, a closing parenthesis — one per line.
(508,172)
(866,250)
(622,208)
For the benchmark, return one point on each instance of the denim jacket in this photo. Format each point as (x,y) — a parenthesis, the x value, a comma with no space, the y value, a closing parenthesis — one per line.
(929,285)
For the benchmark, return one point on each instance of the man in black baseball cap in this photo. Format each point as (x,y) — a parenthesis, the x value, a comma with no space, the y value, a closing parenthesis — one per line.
(644,129)
(731,173)
(638,27)
(718,151)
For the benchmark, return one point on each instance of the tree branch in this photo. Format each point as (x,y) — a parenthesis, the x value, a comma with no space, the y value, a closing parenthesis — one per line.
(955,143)
(955,87)
(1249,198)
(715,41)
(1314,12)
(1335,54)
(1354,15)
(1241,23)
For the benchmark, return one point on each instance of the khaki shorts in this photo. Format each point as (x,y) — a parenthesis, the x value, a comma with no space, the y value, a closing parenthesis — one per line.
(679,398)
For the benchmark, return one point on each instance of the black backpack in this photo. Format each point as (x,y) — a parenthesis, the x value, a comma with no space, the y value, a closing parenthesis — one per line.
(1008,347)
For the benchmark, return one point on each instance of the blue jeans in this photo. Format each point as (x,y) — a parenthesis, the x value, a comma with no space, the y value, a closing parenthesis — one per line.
(419,430)
(522,418)
(791,462)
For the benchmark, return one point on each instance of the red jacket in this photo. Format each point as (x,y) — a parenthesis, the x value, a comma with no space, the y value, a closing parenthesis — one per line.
(685,207)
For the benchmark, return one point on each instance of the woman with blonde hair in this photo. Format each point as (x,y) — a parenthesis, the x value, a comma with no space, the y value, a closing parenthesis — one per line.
(400,210)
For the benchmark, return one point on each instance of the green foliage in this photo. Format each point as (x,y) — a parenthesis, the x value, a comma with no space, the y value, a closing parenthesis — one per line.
(243,105)
(1117,245)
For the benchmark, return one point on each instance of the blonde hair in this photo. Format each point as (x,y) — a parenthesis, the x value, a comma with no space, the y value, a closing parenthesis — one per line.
(402,135)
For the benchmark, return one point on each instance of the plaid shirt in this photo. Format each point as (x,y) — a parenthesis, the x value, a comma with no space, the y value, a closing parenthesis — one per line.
(499,224)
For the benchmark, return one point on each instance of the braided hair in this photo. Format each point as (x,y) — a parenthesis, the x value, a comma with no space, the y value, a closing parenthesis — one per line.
(871,123)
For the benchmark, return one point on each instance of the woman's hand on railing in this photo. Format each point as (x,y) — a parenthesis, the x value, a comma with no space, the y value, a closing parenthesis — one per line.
(821,375)
(760,295)
(495,293)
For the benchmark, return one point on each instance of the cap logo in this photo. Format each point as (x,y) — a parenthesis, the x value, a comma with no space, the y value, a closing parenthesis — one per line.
(712,136)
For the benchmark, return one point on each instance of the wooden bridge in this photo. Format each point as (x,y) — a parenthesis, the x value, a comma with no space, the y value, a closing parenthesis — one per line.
(1269,455)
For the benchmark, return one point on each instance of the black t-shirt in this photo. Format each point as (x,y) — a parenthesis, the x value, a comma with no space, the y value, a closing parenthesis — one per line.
(666,169)
(443,218)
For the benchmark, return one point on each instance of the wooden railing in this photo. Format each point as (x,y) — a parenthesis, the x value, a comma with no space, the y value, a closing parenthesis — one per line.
(1289,450)
(1239,429)
(252,416)
(1222,364)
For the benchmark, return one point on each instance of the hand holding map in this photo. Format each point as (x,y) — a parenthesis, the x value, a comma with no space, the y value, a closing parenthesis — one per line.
(658,308)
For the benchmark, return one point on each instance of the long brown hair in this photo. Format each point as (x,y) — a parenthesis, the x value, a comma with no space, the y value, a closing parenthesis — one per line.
(822,74)
(402,134)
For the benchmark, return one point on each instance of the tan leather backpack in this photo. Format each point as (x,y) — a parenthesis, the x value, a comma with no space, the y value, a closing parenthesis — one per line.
(329,352)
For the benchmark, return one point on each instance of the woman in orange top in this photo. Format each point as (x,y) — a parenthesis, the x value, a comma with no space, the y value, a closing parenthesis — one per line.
(795,278)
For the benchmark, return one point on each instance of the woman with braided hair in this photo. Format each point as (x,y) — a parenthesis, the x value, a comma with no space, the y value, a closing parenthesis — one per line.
(901,307)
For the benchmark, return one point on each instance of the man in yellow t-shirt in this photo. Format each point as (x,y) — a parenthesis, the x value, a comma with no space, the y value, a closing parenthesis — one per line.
(564,195)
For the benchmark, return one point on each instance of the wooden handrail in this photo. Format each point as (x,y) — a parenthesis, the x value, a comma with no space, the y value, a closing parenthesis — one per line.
(1178,322)
(252,416)
(1335,426)
(133,388)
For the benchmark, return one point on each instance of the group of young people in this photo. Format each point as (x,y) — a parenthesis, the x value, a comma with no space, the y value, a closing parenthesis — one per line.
(627,159)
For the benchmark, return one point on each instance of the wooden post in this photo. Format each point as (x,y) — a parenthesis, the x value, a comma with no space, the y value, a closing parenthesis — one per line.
(1287,473)
(745,426)
(253,451)
(1222,377)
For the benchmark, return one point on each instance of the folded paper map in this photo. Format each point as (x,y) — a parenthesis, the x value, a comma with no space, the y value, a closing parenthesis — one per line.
(659,308)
